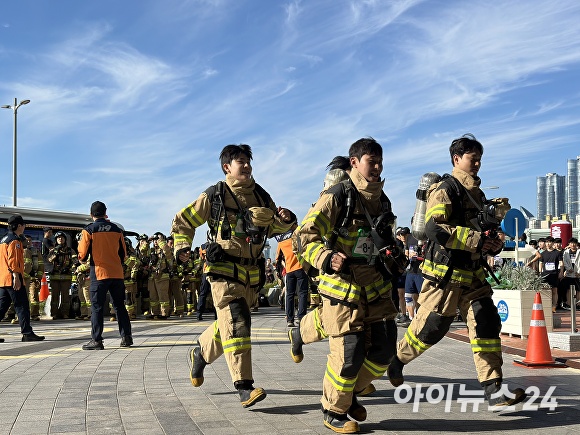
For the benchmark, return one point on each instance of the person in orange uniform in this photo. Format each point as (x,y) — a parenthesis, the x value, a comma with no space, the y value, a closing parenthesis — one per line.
(12,287)
(296,279)
(103,241)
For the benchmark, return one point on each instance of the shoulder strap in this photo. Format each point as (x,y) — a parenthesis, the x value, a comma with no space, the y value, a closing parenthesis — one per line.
(263,195)
(215,194)
(345,195)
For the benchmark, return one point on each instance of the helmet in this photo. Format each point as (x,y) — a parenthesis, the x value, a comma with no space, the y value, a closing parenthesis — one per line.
(143,237)
(159,236)
(128,242)
(60,234)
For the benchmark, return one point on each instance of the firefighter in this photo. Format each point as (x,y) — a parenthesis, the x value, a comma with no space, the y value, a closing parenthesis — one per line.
(131,267)
(175,292)
(187,273)
(354,283)
(143,252)
(33,271)
(160,263)
(241,217)
(62,259)
(459,226)
(195,280)
(83,276)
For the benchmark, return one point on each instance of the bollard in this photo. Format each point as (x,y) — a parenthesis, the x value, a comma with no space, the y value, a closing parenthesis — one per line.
(573,309)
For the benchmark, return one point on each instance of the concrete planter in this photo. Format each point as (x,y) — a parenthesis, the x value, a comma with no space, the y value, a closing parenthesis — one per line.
(515,310)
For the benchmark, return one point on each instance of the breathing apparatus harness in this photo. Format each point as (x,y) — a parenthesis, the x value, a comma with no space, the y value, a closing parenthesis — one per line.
(486,221)
(219,221)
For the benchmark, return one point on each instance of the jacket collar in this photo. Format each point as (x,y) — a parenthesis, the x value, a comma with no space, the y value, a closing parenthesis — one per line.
(467,180)
(370,191)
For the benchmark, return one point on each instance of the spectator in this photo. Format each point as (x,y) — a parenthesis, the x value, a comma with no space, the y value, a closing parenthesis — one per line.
(104,242)
(11,277)
(269,271)
(550,264)
(569,273)
(296,279)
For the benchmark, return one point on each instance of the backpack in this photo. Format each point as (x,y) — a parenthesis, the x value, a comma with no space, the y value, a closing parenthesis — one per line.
(346,194)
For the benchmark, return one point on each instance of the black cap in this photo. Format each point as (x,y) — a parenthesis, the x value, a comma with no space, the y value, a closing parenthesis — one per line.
(98,209)
(15,219)
(403,231)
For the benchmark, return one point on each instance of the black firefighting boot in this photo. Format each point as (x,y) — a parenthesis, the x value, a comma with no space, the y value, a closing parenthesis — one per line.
(197,366)
(495,397)
(357,411)
(249,395)
(296,344)
(395,372)
(339,423)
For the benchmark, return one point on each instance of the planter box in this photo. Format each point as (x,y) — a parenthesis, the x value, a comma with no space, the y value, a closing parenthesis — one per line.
(515,310)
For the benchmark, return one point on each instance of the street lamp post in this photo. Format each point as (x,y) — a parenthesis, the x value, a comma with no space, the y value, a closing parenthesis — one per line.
(14,147)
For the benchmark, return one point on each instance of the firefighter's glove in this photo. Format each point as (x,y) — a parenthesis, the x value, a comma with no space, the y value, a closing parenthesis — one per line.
(214,253)
(178,253)
(262,216)
(502,206)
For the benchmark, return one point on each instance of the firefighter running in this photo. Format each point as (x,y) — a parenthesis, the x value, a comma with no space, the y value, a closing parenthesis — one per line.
(459,225)
(241,216)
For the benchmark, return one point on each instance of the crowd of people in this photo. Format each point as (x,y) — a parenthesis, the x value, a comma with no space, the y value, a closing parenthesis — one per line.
(560,268)
(370,275)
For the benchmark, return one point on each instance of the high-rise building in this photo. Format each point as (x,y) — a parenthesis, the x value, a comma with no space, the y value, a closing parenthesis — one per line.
(541,198)
(551,195)
(558,194)
(572,188)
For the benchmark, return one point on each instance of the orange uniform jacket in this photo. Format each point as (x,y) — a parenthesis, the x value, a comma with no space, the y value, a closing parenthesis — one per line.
(290,261)
(104,242)
(11,258)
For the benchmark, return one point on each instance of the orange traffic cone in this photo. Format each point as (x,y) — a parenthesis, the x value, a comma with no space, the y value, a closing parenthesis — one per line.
(44,292)
(538,353)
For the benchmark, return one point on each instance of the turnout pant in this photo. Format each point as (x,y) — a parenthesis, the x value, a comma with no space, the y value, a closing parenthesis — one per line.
(99,289)
(60,297)
(130,296)
(230,333)
(33,286)
(176,295)
(159,295)
(361,348)
(84,292)
(436,312)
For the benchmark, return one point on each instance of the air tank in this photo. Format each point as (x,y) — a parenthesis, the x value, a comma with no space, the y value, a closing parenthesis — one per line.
(418,224)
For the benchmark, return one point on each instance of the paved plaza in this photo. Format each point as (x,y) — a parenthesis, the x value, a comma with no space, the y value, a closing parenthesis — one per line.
(55,387)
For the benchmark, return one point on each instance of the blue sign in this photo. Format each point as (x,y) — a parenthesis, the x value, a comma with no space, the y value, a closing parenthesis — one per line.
(503,310)
(508,224)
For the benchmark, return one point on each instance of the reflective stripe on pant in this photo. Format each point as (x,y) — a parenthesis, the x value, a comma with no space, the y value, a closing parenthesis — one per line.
(436,312)
(130,296)
(230,333)
(358,350)
(159,295)
(311,328)
(176,295)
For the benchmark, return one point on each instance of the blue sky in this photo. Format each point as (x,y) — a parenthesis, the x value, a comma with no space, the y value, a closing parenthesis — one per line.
(132,101)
